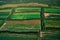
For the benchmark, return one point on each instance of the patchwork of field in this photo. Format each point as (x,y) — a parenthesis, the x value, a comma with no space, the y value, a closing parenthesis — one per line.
(21,26)
(47,35)
(15,24)
(29,25)
(25,13)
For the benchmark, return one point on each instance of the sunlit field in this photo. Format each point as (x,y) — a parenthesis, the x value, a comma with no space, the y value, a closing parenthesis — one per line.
(28,19)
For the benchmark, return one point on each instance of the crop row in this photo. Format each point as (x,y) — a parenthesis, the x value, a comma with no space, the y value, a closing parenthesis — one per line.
(49,10)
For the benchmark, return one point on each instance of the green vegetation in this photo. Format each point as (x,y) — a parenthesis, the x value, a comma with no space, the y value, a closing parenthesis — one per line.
(1,22)
(52,23)
(8,36)
(27,15)
(28,9)
(47,35)
(22,27)
(52,10)
(2,3)
(49,10)
(29,27)
(53,16)
(51,34)
(3,15)
(48,2)
(5,10)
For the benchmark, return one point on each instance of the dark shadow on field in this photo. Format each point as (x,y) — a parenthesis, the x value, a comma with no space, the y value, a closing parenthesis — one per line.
(51,35)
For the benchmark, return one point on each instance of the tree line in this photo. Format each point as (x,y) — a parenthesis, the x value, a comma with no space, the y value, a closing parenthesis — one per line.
(49,2)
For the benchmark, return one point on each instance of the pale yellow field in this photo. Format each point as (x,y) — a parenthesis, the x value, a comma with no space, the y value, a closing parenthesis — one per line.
(24,4)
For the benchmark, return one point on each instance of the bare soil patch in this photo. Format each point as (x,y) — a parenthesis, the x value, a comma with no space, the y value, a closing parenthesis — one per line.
(24,22)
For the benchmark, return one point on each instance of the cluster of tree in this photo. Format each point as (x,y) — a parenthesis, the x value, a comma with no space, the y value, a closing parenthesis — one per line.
(49,2)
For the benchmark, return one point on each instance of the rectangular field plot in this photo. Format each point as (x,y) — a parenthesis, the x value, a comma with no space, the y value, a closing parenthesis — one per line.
(4,10)
(52,10)
(52,23)
(4,15)
(28,9)
(48,10)
(9,36)
(52,16)
(52,34)
(22,26)
(26,15)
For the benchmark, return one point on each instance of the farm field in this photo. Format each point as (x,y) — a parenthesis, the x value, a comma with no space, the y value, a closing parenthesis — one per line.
(9,36)
(52,10)
(47,35)
(51,34)
(48,10)
(3,15)
(52,23)
(20,26)
(52,16)
(34,15)
(26,15)
(5,9)
(1,22)
(29,25)
(28,9)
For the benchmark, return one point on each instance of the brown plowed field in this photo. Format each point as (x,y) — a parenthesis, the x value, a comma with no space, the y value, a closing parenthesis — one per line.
(24,22)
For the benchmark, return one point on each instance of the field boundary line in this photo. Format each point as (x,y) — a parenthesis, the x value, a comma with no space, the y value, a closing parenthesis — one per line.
(2,26)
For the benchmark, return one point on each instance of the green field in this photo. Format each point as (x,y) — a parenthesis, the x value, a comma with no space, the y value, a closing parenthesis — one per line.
(8,36)
(53,20)
(47,35)
(49,10)
(52,23)
(5,10)
(32,15)
(51,34)
(24,26)
(1,22)
(54,16)
(4,15)
(20,26)
(29,15)
(28,9)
